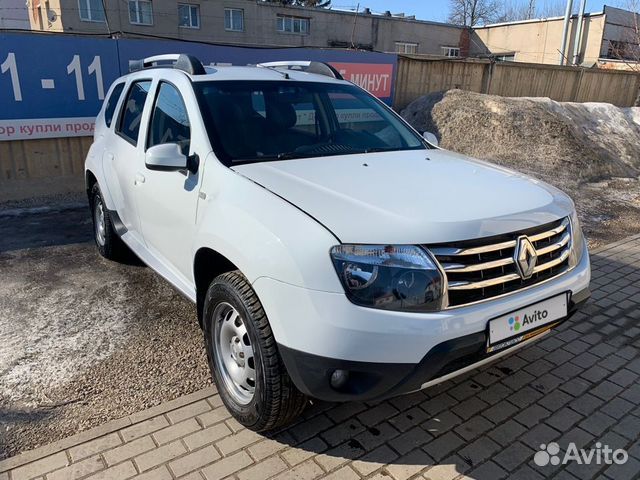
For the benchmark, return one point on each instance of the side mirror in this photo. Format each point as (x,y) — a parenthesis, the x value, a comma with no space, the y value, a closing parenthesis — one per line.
(431,138)
(166,157)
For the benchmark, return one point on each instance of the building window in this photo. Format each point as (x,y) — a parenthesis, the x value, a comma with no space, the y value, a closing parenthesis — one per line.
(404,47)
(140,12)
(287,24)
(188,15)
(91,10)
(507,57)
(234,19)
(451,51)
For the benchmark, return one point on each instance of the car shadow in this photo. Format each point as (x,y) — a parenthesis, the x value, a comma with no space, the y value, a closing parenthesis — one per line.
(44,229)
(56,227)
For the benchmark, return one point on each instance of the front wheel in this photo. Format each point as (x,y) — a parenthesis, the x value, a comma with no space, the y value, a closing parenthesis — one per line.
(243,357)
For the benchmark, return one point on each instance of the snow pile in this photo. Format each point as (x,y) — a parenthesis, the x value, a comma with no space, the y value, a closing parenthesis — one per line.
(590,150)
(589,141)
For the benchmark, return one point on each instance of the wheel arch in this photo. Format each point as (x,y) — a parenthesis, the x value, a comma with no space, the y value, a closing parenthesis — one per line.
(89,180)
(207,265)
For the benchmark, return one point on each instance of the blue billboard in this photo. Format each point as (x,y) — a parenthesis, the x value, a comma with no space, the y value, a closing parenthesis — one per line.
(54,85)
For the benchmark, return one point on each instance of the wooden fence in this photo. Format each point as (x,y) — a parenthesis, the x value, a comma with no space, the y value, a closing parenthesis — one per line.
(31,168)
(419,76)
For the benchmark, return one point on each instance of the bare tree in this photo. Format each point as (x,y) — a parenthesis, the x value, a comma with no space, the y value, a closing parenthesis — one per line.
(552,8)
(513,10)
(474,12)
(528,9)
(531,9)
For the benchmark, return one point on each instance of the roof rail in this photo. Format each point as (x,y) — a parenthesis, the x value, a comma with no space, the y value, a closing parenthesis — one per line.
(182,61)
(307,66)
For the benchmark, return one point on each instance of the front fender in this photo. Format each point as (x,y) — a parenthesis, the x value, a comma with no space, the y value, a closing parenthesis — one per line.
(261,233)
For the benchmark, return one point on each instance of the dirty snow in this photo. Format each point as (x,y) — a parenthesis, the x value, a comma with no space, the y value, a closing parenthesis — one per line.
(58,331)
(84,340)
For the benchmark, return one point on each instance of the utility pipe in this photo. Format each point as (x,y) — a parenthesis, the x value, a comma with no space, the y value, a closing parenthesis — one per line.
(578,38)
(565,32)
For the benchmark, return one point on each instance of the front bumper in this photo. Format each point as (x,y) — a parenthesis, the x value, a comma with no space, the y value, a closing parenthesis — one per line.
(376,381)
(388,353)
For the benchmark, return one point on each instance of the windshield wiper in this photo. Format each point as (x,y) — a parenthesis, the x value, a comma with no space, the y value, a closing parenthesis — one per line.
(273,156)
(290,155)
(377,149)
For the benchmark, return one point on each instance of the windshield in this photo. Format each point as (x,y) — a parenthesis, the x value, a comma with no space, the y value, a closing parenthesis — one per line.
(253,121)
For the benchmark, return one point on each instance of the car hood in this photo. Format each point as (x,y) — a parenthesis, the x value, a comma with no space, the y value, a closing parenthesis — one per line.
(409,197)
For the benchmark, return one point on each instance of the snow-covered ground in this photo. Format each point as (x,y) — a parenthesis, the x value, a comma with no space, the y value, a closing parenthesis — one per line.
(56,320)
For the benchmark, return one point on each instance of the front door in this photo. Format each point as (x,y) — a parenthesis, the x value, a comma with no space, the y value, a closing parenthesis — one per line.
(168,199)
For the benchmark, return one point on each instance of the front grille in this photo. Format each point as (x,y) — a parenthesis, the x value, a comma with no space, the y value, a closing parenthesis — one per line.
(485,268)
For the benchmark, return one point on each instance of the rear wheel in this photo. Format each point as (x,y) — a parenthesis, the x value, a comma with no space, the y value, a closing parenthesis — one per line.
(109,244)
(243,357)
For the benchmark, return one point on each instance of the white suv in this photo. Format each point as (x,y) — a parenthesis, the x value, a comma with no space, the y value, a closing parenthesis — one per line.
(331,250)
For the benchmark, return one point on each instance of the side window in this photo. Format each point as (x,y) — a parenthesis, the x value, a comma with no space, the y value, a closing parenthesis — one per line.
(169,120)
(131,115)
(112,101)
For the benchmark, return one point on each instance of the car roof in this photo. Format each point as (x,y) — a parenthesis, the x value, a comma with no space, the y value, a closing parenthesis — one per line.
(299,70)
(220,73)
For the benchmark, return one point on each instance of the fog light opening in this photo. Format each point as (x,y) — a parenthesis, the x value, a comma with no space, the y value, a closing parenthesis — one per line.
(339,379)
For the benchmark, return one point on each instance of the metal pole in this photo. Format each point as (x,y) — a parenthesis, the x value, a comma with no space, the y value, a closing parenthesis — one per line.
(565,31)
(578,38)
(353,32)
(106,17)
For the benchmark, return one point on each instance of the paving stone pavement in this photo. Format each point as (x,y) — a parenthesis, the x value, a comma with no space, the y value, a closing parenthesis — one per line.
(579,384)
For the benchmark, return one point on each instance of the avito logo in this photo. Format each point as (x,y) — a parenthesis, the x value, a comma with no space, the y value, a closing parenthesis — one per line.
(601,454)
(515,324)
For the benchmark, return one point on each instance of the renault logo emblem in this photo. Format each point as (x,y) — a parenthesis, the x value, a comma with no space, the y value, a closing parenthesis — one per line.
(525,257)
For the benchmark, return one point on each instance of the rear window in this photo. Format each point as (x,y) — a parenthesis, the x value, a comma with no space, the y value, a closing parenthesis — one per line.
(112,101)
(131,116)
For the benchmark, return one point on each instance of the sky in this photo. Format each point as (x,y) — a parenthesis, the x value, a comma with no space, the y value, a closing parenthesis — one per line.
(436,10)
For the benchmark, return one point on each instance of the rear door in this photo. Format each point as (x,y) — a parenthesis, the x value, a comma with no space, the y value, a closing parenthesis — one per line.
(126,152)
(106,139)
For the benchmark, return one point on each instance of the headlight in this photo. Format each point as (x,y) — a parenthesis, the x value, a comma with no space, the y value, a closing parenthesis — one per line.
(577,241)
(389,277)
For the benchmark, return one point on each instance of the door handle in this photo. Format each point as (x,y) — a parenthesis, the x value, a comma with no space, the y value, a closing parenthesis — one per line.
(139,179)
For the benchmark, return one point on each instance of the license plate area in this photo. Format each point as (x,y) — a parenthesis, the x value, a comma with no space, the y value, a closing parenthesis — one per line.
(519,325)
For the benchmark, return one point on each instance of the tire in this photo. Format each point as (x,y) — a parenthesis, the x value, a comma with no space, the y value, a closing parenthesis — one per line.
(109,244)
(231,309)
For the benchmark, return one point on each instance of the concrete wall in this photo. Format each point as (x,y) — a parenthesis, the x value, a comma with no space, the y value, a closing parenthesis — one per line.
(539,41)
(13,14)
(327,27)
